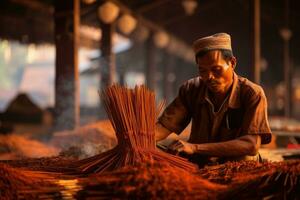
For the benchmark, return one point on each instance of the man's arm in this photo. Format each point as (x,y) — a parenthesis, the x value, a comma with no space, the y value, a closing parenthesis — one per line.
(245,145)
(161,132)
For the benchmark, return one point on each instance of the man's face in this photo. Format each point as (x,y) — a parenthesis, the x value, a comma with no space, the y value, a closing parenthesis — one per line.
(216,72)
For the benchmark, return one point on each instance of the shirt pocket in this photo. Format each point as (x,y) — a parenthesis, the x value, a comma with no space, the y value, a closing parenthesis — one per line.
(234,118)
(231,125)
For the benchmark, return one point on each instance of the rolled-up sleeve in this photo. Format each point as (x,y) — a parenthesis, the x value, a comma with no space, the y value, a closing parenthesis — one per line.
(176,116)
(256,118)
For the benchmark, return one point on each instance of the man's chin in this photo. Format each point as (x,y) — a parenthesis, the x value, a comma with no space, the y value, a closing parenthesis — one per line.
(215,90)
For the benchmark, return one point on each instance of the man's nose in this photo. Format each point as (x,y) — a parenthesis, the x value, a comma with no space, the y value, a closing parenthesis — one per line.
(210,76)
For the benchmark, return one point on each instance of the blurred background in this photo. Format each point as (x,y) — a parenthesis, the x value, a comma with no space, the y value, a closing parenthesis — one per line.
(55,57)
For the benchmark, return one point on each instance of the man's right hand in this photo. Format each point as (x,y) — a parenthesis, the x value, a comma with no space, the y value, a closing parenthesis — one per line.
(182,146)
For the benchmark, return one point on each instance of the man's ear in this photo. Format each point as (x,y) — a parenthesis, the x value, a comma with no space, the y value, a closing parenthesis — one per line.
(233,62)
(196,59)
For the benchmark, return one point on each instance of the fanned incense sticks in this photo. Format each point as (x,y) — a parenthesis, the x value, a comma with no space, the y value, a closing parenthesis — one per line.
(132,113)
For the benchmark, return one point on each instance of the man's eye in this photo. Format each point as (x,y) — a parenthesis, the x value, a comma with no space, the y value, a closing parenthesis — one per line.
(218,70)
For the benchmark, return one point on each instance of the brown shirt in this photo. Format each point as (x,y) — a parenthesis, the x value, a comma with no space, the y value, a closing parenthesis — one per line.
(243,112)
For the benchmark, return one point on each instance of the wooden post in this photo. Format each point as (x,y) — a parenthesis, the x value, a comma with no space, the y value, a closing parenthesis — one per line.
(168,79)
(67,22)
(108,61)
(287,78)
(286,35)
(150,63)
(255,41)
(179,69)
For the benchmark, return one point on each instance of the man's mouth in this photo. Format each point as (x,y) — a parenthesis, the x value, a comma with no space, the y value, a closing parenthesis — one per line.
(213,84)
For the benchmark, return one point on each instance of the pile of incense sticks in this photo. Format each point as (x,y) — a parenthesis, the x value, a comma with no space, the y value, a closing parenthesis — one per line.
(13,182)
(133,114)
(149,181)
(279,180)
(47,164)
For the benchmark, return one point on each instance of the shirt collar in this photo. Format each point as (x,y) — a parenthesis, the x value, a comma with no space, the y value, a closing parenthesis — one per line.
(234,97)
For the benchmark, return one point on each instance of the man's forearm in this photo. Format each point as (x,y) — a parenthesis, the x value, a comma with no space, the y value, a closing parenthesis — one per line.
(245,145)
(161,132)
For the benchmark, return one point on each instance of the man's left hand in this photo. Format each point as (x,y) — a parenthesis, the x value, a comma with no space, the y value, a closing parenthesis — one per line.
(182,146)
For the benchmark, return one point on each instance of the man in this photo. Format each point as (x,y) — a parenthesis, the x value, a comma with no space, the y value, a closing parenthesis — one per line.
(228,112)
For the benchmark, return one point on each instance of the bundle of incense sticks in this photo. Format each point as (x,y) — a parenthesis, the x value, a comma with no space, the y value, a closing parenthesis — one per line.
(132,113)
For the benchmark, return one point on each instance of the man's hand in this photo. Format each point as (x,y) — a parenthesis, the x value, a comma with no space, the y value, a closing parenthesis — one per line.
(242,146)
(182,146)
